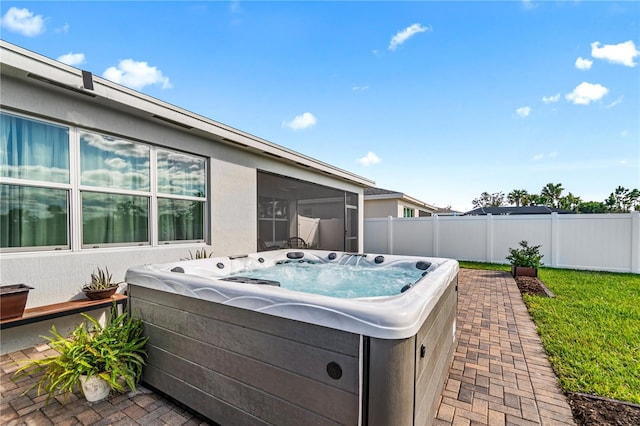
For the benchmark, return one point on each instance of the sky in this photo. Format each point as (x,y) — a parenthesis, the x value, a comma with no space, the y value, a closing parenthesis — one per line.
(438,100)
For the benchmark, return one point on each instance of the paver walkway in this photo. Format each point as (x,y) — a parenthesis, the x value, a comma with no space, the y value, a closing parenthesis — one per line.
(499,375)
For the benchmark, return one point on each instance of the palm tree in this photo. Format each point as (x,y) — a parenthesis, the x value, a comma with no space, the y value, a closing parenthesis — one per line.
(518,197)
(569,202)
(552,192)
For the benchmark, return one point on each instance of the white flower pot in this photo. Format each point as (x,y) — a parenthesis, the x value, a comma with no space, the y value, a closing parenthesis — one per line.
(95,388)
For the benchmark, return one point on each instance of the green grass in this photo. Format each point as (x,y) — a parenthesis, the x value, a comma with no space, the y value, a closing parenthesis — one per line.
(590,330)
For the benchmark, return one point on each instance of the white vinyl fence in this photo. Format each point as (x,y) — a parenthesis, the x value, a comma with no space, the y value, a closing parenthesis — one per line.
(609,242)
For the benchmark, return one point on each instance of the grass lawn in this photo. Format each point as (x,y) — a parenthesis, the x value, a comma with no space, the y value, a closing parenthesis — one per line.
(590,330)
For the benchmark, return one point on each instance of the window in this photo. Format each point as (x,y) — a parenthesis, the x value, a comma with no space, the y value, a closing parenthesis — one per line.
(111,171)
(408,212)
(181,196)
(35,173)
(324,218)
(273,219)
(116,186)
(33,217)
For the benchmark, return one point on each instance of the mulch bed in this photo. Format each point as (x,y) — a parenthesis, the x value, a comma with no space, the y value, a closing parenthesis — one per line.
(588,410)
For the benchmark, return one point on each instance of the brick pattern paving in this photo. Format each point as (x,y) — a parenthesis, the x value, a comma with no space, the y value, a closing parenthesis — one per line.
(143,408)
(500,374)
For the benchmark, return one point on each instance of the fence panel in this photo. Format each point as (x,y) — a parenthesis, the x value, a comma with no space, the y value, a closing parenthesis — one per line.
(462,237)
(593,240)
(375,235)
(508,231)
(413,236)
(608,242)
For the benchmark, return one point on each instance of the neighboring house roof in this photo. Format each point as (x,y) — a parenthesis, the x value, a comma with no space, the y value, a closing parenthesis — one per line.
(372,193)
(23,64)
(512,210)
(448,211)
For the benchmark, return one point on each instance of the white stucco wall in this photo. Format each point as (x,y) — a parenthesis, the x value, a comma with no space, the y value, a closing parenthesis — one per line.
(381,208)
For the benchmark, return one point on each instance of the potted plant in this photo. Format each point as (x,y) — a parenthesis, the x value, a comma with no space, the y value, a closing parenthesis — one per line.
(525,260)
(97,358)
(13,299)
(101,286)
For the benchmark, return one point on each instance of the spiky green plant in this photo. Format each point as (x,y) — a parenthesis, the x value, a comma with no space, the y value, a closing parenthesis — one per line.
(199,254)
(101,279)
(114,352)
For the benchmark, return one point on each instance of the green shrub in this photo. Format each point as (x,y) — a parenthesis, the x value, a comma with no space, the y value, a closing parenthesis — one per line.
(114,352)
(526,256)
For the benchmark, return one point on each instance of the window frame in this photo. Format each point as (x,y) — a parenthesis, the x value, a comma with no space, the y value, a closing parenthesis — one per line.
(24,182)
(75,189)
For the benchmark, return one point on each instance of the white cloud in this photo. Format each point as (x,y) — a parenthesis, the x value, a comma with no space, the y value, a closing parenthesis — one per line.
(62,29)
(406,34)
(301,121)
(529,5)
(23,21)
(538,157)
(624,133)
(359,88)
(551,99)
(523,111)
(622,53)
(369,159)
(614,103)
(72,59)
(585,92)
(136,74)
(583,64)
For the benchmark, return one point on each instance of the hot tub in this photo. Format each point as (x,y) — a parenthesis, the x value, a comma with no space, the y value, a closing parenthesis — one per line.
(243,349)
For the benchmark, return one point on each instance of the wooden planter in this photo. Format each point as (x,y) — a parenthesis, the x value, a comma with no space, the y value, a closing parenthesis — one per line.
(524,271)
(13,299)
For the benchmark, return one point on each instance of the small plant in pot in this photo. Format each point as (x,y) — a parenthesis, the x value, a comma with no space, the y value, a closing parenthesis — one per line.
(101,285)
(525,260)
(98,360)
(199,254)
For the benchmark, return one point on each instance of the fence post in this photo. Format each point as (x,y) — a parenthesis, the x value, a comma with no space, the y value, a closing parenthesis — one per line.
(436,245)
(390,234)
(635,242)
(489,248)
(554,239)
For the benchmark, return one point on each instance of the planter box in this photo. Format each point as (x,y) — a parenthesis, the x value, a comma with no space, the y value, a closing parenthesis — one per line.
(524,271)
(13,299)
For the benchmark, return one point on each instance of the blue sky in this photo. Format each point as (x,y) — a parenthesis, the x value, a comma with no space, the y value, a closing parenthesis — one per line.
(439,100)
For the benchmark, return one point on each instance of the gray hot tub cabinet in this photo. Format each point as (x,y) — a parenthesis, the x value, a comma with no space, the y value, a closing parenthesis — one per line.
(237,366)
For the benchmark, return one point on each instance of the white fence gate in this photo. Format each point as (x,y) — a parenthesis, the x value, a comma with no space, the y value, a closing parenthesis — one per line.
(609,242)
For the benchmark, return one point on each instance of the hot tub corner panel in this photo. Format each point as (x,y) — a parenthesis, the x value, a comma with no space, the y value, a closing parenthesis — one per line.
(411,372)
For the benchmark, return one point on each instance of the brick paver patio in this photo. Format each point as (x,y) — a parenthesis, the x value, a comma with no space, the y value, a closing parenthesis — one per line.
(499,375)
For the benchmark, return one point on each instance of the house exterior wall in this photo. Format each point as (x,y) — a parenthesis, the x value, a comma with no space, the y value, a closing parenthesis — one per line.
(393,207)
(231,210)
(381,208)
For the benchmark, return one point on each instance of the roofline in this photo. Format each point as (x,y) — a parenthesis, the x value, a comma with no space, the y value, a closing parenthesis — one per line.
(39,67)
(402,196)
